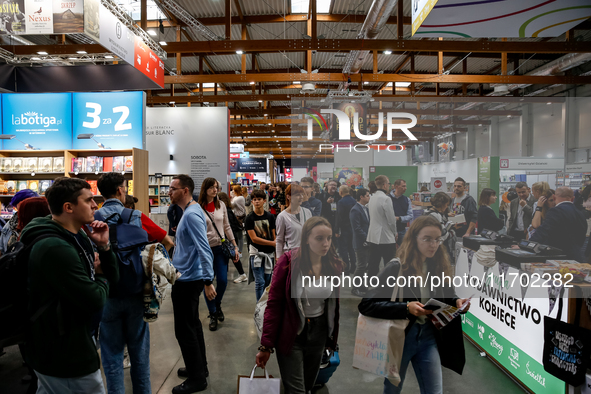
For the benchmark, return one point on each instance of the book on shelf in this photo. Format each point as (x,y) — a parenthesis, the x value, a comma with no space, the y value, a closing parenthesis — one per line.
(130,187)
(45,164)
(93,187)
(31,164)
(22,185)
(44,185)
(17,164)
(10,187)
(33,185)
(128,163)
(6,164)
(58,164)
(107,164)
(94,164)
(118,163)
(78,164)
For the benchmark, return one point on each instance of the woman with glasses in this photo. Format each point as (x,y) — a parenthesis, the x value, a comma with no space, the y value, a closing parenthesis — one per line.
(290,222)
(218,225)
(428,348)
(302,314)
(439,210)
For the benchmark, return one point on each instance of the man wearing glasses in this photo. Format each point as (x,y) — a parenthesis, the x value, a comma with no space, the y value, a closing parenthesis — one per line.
(193,258)
(312,203)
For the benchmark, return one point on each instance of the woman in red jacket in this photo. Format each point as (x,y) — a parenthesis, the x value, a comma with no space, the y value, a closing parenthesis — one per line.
(302,319)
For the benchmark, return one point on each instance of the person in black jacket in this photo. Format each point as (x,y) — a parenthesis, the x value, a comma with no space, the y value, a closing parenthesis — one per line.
(487,219)
(428,348)
(565,226)
(343,229)
(238,236)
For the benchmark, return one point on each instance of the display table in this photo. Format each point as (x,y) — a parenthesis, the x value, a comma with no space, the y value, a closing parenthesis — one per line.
(510,327)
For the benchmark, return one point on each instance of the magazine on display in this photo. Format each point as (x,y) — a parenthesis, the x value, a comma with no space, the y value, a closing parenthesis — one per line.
(444,313)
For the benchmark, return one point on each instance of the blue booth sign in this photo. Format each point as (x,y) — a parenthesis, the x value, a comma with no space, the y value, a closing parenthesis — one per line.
(37,121)
(115,120)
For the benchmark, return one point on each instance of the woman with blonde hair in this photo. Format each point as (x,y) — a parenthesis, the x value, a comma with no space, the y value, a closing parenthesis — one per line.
(428,348)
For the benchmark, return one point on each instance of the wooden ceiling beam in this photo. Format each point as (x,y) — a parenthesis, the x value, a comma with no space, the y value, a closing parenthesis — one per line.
(330,45)
(260,19)
(417,78)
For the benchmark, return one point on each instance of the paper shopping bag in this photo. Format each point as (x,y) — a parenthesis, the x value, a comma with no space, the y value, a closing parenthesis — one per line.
(258,384)
(379,344)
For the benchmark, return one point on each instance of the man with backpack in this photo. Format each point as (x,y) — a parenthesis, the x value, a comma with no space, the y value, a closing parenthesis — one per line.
(68,287)
(123,322)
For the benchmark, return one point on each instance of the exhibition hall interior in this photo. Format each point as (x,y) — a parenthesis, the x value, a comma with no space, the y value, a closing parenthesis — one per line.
(295,196)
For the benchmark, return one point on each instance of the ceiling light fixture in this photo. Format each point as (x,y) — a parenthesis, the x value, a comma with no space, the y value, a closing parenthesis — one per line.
(163,43)
(45,53)
(252,83)
(152,33)
(108,57)
(387,52)
(81,52)
(239,52)
(35,58)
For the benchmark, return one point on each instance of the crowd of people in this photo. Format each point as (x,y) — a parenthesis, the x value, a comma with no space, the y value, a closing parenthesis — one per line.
(82,288)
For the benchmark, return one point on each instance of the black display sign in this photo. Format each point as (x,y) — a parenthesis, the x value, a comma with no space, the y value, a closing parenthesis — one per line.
(248,164)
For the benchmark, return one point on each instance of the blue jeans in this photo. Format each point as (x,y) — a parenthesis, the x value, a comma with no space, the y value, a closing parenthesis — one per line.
(123,324)
(220,271)
(420,348)
(261,280)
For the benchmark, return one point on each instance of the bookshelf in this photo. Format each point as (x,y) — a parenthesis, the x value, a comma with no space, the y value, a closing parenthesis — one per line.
(158,190)
(62,159)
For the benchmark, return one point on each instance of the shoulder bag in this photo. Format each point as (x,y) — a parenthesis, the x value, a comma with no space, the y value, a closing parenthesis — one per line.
(227,248)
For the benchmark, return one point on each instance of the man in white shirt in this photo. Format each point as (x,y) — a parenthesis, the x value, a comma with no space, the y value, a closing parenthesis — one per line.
(381,235)
(520,212)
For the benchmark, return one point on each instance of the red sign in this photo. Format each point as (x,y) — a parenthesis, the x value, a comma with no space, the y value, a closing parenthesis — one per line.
(234,155)
(438,184)
(148,62)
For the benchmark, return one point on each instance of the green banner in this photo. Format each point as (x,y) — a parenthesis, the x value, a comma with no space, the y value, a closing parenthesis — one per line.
(530,372)
(488,176)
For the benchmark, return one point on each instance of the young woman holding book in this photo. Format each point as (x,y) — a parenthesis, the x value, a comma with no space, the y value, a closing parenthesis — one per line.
(425,346)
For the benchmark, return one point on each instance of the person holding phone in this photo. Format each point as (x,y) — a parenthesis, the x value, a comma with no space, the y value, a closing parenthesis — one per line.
(420,254)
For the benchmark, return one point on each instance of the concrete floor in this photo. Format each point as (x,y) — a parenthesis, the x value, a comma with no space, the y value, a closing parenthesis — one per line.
(232,348)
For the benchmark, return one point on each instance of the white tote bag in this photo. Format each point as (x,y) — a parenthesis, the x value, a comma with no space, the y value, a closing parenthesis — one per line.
(379,344)
(258,384)
(259,312)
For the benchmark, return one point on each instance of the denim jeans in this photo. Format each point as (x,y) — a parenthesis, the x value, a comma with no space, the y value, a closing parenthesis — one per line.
(123,324)
(300,367)
(261,280)
(187,327)
(87,384)
(420,348)
(220,270)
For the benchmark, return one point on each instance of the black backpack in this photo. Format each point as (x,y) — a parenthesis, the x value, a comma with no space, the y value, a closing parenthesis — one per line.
(127,241)
(14,271)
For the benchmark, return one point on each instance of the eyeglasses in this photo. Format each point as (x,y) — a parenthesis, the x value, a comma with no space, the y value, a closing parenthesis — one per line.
(436,241)
(172,189)
(306,187)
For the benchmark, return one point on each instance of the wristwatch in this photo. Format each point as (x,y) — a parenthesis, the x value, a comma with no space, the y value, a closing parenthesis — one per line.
(104,248)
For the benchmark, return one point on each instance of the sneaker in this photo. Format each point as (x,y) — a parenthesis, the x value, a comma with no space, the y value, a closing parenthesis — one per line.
(189,386)
(219,314)
(241,278)
(213,322)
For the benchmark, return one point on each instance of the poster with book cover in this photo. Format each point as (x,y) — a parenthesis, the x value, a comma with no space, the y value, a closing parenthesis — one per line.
(39,15)
(12,17)
(128,163)
(68,16)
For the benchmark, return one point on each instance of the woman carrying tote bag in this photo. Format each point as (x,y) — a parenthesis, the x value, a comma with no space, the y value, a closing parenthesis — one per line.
(302,319)
(427,347)
(291,220)
(218,224)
